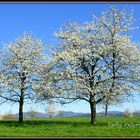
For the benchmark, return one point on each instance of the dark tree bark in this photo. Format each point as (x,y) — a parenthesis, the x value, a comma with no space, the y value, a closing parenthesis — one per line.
(21,101)
(93,113)
(106,110)
(20,119)
(106,105)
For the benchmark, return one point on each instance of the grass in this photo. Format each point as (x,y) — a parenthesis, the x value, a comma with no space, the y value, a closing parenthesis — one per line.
(72,127)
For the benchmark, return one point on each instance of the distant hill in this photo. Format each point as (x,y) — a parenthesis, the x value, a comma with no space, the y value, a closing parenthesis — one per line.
(74,114)
(100,114)
(137,113)
(26,115)
(44,115)
(111,113)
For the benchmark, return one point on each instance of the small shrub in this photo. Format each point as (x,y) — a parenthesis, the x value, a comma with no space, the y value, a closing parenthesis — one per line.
(128,113)
(7,117)
(32,113)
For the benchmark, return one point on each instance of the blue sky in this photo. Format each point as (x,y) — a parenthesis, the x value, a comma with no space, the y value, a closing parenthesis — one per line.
(43,20)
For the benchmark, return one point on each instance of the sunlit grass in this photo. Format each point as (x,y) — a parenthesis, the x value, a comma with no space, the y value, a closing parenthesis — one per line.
(71,127)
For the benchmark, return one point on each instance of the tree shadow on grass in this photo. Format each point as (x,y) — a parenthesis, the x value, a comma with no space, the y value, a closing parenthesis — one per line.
(74,123)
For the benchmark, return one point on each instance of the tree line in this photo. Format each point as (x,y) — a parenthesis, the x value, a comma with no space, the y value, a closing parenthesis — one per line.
(96,62)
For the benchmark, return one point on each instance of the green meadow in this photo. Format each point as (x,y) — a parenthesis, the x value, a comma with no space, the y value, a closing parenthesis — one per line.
(72,127)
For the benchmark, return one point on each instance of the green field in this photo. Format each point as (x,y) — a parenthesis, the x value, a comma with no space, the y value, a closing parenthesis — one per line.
(72,127)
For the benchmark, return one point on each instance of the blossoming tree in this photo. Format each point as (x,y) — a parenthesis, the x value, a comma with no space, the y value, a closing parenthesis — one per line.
(92,61)
(20,64)
(124,54)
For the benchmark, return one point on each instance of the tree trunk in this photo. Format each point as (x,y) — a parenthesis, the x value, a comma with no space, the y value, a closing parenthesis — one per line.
(20,119)
(21,101)
(93,113)
(106,110)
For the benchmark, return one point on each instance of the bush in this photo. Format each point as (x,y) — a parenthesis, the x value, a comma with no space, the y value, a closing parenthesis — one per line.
(7,117)
(32,114)
(128,113)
